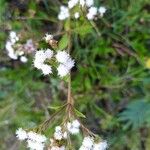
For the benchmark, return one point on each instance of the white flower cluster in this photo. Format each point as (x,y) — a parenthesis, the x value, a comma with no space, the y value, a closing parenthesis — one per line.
(89,4)
(64,13)
(48,37)
(73,127)
(35,141)
(40,58)
(63,58)
(89,144)
(12,53)
(66,63)
(94,11)
(59,134)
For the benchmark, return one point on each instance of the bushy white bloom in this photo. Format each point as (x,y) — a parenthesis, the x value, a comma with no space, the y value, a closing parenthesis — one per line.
(62,56)
(76,15)
(10,50)
(89,3)
(62,70)
(40,56)
(48,37)
(48,53)
(64,13)
(36,137)
(76,123)
(46,69)
(58,135)
(73,127)
(88,142)
(65,135)
(37,64)
(69,63)
(72,3)
(102,10)
(13,37)
(58,128)
(35,145)
(66,63)
(84,148)
(100,146)
(58,148)
(82,2)
(23,59)
(92,12)
(21,134)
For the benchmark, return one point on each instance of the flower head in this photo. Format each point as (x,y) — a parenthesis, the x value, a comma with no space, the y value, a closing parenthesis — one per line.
(73,127)
(92,12)
(23,59)
(46,69)
(62,56)
(48,37)
(64,13)
(76,15)
(58,135)
(89,3)
(102,10)
(88,142)
(35,145)
(100,146)
(36,137)
(62,70)
(21,134)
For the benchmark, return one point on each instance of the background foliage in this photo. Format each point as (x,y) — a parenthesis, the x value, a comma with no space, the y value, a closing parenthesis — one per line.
(110,82)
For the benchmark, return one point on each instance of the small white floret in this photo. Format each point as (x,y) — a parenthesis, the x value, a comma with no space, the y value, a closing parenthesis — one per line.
(21,134)
(46,69)
(102,10)
(92,12)
(48,37)
(89,3)
(100,146)
(48,53)
(62,56)
(62,70)
(76,15)
(76,123)
(88,142)
(35,145)
(23,59)
(82,2)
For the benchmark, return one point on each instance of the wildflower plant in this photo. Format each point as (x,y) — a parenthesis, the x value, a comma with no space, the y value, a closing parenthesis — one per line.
(52,60)
(69,125)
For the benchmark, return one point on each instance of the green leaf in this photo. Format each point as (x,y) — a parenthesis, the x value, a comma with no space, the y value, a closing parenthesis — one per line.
(83,30)
(136,114)
(79,114)
(56,107)
(63,42)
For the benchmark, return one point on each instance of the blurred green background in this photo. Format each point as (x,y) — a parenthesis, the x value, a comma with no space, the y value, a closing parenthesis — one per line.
(110,82)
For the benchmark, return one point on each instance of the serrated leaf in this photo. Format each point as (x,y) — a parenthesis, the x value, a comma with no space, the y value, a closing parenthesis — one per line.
(136,113)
